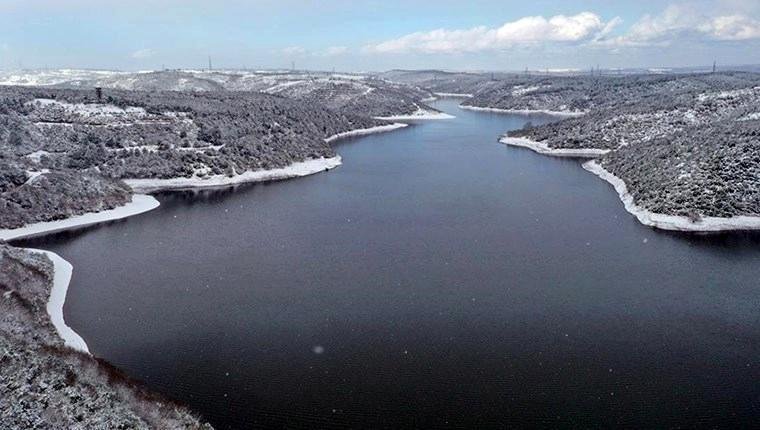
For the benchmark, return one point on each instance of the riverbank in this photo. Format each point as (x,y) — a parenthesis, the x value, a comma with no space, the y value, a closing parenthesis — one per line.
(544,149)
(49,379)
(365,131)
(560,114)
(671,222)
(420,114)
(294,170)
(454,95)
(139,204)
(62,271)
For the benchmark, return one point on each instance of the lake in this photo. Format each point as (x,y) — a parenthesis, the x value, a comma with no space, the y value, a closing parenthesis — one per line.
(436,279)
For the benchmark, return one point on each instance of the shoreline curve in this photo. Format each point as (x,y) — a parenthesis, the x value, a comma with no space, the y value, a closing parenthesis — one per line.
(455,95)
(544,149)
(298,169)
(419,115)
(561,114)
(62,271)
(672,222)
(365,131)
(140,203)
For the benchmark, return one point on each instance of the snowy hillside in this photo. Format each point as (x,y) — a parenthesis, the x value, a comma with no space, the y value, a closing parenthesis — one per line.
(683,144)
(354,94)
(63,151)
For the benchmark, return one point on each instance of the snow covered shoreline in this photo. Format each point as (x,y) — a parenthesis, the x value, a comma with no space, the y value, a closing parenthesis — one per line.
(61,279)
(561,114)
(544,149)
(454,95)
(420,114)
(303,168)
(139,204)
(365,131)
(143,203)
(671,222)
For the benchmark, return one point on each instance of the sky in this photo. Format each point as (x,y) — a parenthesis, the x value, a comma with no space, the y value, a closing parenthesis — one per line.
(378,35)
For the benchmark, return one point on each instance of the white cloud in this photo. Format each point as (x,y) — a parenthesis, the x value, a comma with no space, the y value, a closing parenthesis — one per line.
(611,24)
(734,27)
(698,21)
(142,54)
(533,29)
(299,51)
(681,21)
(673,20)
(294,51)
(334,51)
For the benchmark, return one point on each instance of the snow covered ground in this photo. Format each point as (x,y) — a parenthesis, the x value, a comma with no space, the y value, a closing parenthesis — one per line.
(351,93)
(365,131)
(563,114)
(294,170)
(419,114)
(139,204)
(61,280)
(521,90)
(90,109)
(454,95)
(671,222)
(36,156)
(54,76)
(41,351)
(542,148)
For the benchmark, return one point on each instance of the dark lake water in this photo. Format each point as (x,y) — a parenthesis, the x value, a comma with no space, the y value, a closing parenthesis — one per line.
(436,279)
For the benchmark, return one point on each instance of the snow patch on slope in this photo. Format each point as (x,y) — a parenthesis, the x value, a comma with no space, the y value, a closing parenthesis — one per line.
(90,109)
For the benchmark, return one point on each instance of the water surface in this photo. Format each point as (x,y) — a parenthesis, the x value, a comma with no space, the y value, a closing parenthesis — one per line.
(436,279)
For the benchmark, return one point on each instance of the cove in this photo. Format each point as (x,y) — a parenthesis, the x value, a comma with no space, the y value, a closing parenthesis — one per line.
(436,279)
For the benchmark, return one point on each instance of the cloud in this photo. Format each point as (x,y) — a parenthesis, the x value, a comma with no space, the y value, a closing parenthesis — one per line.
(533,29)
(294,51)
(679,22)
(710,21)
(298,51)
(734,27)
(334,51)
(142,54)
(614,22)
